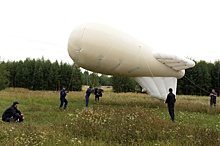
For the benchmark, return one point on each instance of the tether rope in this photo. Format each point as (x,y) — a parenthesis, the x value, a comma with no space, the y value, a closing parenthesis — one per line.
(196,85)
(73,68)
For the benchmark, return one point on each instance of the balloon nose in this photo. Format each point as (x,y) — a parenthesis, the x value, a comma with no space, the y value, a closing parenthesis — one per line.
(75,45)
(180,74)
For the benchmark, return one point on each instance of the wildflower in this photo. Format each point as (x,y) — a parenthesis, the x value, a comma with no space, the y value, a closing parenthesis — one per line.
(70,115)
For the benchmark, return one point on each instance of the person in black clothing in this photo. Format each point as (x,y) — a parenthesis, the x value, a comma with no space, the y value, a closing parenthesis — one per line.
(213,96)
(12,114)
(170,102)
(98,93)
(63,94)
(88,92)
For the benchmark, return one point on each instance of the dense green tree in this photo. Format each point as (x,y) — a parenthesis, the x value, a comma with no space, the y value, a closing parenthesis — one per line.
(85,78)
(65,73)
(94,80)
(197,80)
(4,74)
(28,72)
(54,82)
(76,79)
(215,74)
(38,76)
(104,80)
(203,79)
(123,84)
(46,65)
(187,85)
(11,68)
(19,76)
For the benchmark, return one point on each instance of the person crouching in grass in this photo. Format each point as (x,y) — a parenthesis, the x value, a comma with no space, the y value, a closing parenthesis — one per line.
(12,114)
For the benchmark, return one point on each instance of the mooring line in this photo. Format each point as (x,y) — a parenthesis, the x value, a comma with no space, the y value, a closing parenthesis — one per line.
(195,84)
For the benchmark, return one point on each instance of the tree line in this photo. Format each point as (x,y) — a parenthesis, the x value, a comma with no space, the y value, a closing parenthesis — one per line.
(41,74)
(200,79)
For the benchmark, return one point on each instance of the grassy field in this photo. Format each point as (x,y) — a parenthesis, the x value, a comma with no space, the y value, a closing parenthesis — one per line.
(117,119)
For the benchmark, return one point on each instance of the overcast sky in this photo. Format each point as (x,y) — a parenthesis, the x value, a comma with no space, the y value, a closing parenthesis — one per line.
(36,28)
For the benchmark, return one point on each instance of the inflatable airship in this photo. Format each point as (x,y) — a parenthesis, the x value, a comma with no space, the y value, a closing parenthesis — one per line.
(103,49)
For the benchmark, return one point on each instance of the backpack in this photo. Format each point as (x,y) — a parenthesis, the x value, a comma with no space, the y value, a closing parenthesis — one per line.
(99,93)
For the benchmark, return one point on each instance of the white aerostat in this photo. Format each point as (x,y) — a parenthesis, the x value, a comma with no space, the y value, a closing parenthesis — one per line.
(103,49)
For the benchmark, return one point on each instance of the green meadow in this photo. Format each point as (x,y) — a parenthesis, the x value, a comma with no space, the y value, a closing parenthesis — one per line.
(117,119)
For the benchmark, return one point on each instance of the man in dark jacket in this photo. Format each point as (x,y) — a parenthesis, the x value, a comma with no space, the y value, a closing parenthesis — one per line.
(63,94)
(170,102)
(98,93)
(213,96)
(88,92)
(12,114)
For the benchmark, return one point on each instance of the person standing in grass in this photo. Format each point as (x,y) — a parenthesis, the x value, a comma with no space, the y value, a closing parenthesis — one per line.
(12,114)
(63,94)
(213,96)
(171,99)
(88,92)
(98,93)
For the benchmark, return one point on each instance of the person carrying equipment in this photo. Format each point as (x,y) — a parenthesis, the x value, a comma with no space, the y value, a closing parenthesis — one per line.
(98,93)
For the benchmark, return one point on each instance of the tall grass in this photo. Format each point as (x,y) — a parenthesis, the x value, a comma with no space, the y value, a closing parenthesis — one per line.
(117,119)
